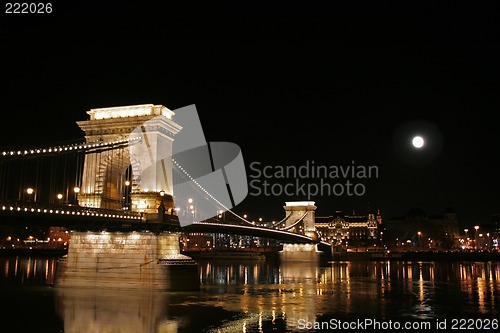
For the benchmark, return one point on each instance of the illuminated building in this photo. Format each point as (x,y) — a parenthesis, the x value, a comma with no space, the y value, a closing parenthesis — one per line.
(348,231)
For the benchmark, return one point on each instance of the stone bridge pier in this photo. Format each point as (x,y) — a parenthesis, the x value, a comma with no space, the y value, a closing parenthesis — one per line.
(137,166)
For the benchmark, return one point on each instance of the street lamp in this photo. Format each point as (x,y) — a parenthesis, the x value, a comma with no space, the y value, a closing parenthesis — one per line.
(190,208)
(76,190)
(29,191)
(466,238)
(162,195)
(59,197)
(161,208)
(126,197)
(475,236)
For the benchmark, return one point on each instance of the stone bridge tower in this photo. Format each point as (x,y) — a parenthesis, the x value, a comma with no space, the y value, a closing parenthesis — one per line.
(305,212)
(296,210)
(140,139)
(119,139)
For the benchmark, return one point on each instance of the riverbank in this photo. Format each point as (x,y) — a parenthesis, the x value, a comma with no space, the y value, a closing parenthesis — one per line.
(449,256)
(337,256)
(417,256)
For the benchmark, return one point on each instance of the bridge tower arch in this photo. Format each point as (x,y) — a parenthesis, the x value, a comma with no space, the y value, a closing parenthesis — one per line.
(140,138)
(301,209)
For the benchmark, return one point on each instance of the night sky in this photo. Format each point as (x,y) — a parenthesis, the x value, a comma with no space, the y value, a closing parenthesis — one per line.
(288,84)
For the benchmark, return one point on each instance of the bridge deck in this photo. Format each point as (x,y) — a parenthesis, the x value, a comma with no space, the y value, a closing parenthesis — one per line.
(93,219)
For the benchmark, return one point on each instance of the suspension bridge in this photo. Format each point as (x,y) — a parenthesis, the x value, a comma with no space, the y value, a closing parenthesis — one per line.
(127,192)
(102,182)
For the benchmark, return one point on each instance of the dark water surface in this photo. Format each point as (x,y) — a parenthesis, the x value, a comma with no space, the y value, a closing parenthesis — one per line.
(262,296)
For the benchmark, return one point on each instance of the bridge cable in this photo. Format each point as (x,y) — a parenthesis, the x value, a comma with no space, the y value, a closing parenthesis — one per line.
(296,222)
(222,205)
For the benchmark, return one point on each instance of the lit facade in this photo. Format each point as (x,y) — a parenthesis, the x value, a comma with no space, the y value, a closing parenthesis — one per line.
(347,231)
(144,134)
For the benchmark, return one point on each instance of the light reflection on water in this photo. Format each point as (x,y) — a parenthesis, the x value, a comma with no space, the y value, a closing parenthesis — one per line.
(27,270)
(261,296)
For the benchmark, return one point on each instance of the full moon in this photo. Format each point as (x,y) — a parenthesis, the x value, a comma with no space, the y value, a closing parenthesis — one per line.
(418,142)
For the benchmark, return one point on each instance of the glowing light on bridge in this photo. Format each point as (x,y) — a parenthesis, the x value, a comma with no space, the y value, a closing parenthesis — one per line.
(130,111)
(299,203)
(207,193)
(79,211)
(73,147)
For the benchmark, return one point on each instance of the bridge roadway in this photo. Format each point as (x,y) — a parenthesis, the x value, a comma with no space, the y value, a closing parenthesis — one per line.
(95,219)
(81,218)
(233,229)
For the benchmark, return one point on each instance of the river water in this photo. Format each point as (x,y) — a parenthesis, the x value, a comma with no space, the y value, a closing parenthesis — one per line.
(262,296)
